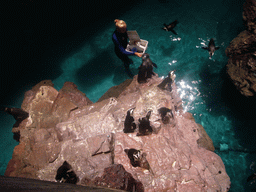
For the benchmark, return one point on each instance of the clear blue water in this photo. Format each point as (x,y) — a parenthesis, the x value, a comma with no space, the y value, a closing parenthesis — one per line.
(93,66)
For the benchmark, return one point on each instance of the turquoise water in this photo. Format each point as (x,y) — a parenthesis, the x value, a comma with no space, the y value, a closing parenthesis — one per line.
(92,65)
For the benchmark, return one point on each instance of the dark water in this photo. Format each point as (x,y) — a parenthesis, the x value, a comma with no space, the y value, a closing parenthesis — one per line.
(88,60)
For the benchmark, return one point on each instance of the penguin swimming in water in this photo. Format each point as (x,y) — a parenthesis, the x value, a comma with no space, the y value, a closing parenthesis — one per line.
(170,27)
(211,48)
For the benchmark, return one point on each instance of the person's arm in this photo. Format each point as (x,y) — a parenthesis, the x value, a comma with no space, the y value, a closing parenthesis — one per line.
(138,54)
(120,47)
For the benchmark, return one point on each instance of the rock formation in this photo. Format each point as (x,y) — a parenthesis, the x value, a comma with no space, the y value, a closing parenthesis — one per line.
(176,155)
(241,67)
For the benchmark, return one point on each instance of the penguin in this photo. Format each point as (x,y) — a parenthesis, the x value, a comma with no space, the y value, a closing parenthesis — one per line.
(129,124)
(166,83)
(211,48)
(146,68)
(144,125)
(170,27)
(165,113)
(65,174)
(134,156)
(138,159)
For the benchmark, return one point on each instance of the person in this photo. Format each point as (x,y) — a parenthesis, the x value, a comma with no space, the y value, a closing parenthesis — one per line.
(120,39)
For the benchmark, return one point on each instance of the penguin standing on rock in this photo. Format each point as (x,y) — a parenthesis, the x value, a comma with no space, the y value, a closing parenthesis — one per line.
(65,174)
(144,126)
(129,124)
(134,156)
(166,114)
(145,69)
(167,82)
(138,159)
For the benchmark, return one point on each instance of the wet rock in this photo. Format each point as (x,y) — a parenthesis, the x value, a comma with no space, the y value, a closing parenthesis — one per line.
(175,155)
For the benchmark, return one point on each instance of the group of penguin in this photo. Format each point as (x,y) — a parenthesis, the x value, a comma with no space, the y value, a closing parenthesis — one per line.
(146,68)
(211,48)
(65,174)
(144,123)
(137,158)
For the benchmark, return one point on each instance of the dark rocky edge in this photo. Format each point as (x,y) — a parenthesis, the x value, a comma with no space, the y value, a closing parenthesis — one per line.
(241,67)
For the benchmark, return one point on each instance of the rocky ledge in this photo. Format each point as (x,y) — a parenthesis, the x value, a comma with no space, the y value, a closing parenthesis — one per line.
(241,67)
(136,139)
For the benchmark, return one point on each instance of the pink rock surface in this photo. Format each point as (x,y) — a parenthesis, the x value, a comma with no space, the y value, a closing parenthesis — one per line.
(177,156)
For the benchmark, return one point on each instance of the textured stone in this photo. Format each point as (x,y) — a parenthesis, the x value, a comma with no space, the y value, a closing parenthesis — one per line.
(244,43)
(241,67)
(115,91)
(204,140)
(249,15)
(175,156)
(116,177)
(70,91)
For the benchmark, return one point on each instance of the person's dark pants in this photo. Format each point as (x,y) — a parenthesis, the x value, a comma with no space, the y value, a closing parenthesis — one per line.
(126,60)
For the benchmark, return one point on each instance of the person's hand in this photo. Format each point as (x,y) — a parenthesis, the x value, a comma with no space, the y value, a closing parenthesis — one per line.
(138,54)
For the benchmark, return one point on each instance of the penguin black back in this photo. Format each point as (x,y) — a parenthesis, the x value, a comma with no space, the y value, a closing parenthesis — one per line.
(144,126)
(134,156)
(65,174)
(145,69)
(129,124)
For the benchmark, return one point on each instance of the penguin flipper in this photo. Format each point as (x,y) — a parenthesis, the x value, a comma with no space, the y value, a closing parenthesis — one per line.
(205,48)
(174,32)
(154,65)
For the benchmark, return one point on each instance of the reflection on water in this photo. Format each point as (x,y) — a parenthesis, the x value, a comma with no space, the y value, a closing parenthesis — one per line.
(172,62)
(175,38)
(188,94)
